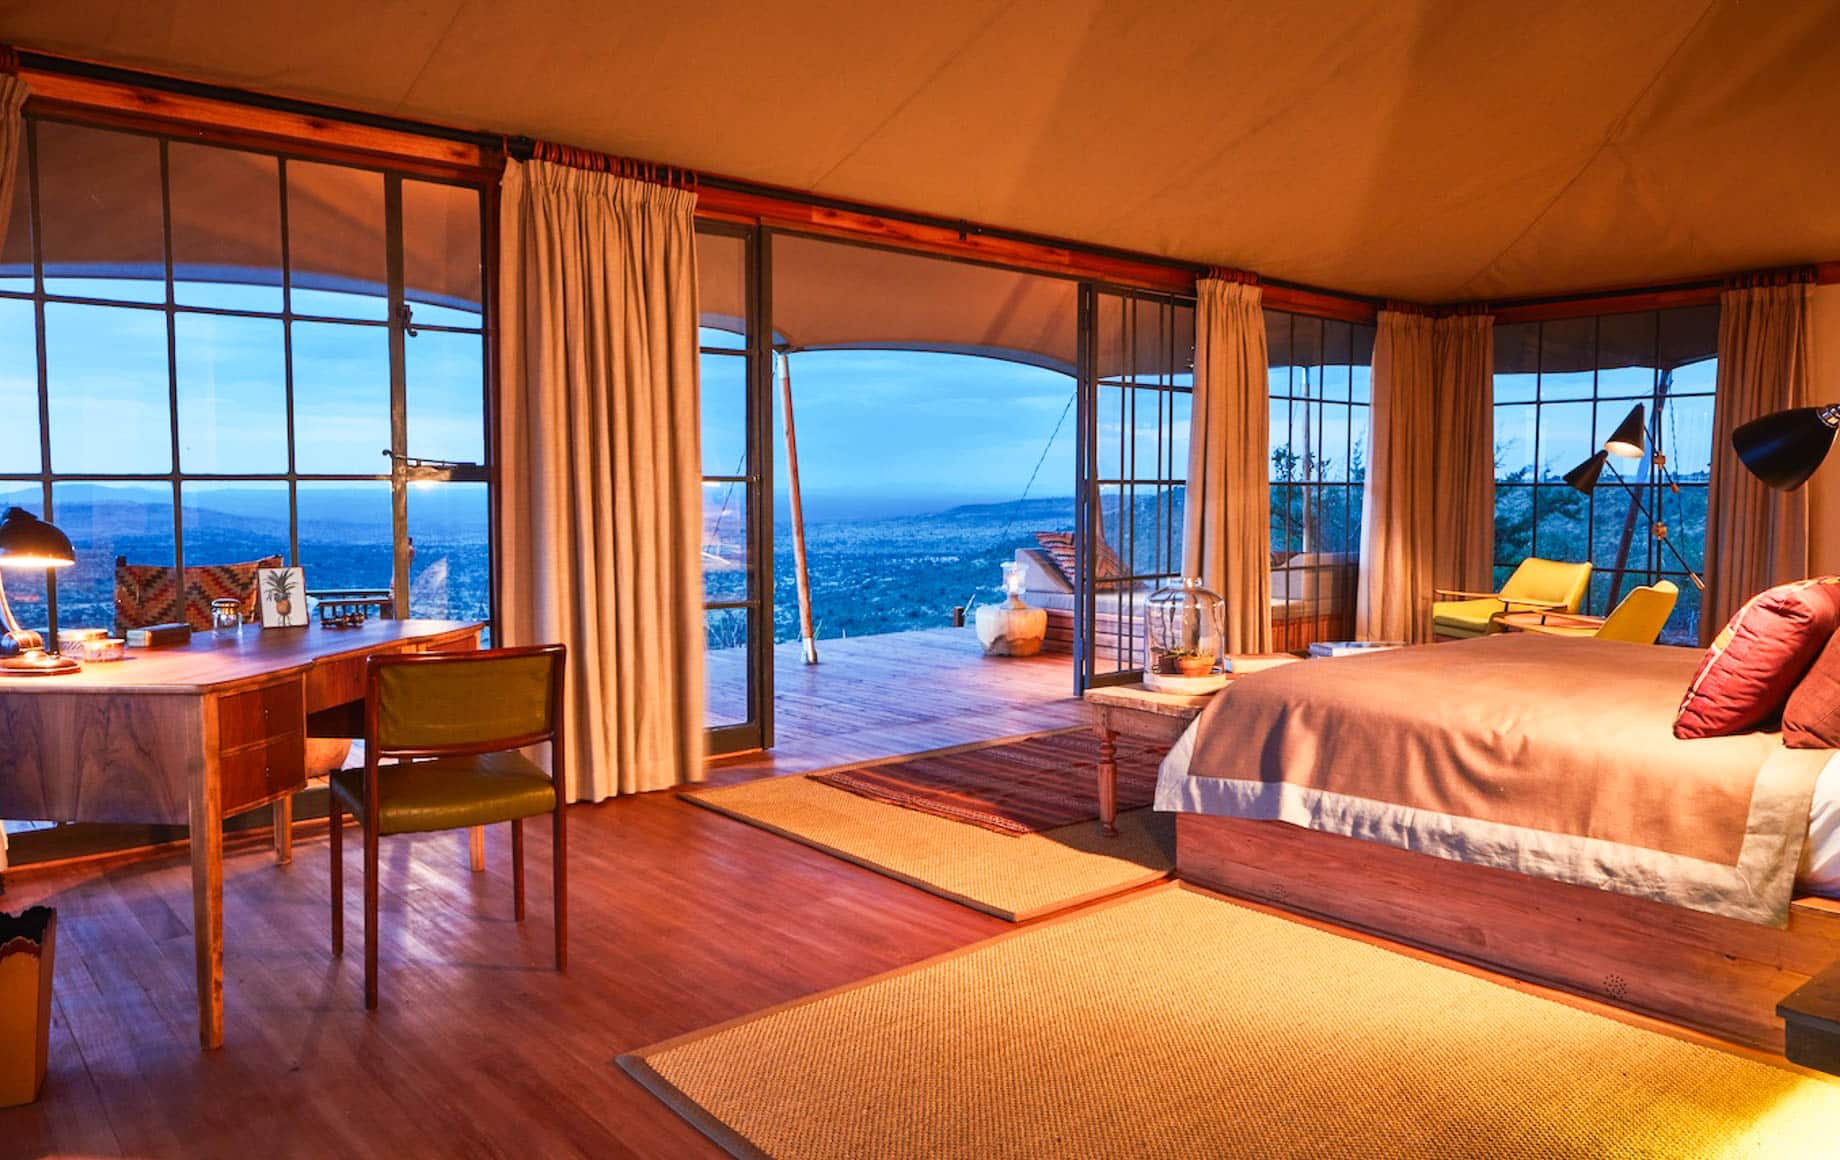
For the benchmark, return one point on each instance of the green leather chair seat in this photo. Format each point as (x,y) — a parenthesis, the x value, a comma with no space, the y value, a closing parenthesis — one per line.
(450,793)
(1463,617)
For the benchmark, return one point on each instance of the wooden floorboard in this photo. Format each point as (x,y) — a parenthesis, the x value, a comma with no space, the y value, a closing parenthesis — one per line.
(681,918)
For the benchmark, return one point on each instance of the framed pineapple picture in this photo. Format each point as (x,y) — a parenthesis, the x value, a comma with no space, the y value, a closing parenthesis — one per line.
(284,597)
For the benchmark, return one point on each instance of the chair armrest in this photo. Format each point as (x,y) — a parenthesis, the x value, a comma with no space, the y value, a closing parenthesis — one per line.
(1461,594)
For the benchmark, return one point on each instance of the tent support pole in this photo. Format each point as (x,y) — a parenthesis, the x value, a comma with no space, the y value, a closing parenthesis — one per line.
(783,368)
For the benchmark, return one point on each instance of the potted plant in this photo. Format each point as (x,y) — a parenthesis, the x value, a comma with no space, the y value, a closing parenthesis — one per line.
(1195,663)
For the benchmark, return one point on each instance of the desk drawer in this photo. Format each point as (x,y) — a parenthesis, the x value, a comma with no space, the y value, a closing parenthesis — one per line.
(257,772)
(246,718)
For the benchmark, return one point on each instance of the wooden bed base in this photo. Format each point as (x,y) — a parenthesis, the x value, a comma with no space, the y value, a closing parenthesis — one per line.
(1713,974)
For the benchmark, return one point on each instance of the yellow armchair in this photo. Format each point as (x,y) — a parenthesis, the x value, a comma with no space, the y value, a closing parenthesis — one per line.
(1536,586)
(1638,618)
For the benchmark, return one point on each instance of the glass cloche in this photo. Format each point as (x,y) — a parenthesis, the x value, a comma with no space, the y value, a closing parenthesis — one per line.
(1184,639)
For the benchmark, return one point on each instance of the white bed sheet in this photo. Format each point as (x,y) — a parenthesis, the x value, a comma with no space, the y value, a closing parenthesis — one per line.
(1819,872)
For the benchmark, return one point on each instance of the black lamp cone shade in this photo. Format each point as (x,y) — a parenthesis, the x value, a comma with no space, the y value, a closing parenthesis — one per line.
(1785,448)
(27,541)
(1630,438)
(1584,476)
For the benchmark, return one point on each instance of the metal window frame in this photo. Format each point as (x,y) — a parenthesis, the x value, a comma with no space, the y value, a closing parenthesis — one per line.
(1651,563)
(1089,484)
(756,732)
(396,322)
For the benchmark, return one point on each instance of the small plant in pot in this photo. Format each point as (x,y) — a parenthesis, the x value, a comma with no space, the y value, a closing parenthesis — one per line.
(1183,662)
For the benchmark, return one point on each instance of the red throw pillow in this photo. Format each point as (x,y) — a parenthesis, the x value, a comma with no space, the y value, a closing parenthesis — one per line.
(1811,719)
(1759,657)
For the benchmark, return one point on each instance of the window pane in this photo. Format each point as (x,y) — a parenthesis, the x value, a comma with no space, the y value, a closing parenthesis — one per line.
(1335,360)
(1562,515)
(101,213)
(450,571)
(726,667)
(721,277)
(724,414)
(234,523)
(1626,356)
(1565,438)
(103,521)
(232,395)
(226,228)
(1517,362)
(111,409)
(1513,525)
(725,541)
(1686,437)
(1567,358)
(1149,420)
(345,537)
(441,278)
(19,452)
(25,590)
(341,398)
(336,252)
(446,396)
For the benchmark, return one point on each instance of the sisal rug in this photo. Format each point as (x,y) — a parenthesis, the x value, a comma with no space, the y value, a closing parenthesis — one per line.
(1016,877)
(1178,1024)
(1016,787)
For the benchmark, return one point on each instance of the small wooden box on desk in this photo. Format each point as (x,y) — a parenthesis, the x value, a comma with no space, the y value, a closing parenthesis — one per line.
(192,735)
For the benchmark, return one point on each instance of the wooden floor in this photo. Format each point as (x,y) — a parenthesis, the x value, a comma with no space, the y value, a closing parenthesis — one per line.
(905,692)
(681,918)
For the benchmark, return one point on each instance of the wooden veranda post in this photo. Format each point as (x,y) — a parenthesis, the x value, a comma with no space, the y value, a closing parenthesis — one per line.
(783,369)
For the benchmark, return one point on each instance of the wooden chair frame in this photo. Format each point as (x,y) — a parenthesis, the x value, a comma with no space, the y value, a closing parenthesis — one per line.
(375,753)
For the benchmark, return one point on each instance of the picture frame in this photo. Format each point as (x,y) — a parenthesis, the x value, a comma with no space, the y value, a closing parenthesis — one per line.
(282,593)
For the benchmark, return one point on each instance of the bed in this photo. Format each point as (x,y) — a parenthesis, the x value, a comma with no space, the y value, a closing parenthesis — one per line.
(1521,802)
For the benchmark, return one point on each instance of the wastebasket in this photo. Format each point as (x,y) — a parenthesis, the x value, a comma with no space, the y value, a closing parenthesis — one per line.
(26,944)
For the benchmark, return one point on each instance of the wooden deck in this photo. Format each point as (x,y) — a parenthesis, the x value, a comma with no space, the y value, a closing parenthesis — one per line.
(904,692)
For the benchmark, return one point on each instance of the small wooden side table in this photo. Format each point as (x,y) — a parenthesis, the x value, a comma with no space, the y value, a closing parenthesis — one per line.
(1134,711)
(1551,623)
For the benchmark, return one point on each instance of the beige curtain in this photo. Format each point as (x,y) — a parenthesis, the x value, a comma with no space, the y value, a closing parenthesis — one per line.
(1427,512)
(1463,459)
(1226,523)
(600,494)
(1755,536)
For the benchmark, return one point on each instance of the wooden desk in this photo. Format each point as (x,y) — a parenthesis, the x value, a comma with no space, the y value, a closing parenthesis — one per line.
(192,735)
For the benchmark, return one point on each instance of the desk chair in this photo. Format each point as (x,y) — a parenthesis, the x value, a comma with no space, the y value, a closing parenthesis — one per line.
(1536,586)
(454,723)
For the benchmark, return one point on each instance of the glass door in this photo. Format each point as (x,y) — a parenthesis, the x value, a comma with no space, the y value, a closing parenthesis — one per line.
(1137,357)
(737,413)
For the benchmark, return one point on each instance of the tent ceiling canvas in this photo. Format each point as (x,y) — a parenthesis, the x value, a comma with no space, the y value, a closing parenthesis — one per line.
(1429,149)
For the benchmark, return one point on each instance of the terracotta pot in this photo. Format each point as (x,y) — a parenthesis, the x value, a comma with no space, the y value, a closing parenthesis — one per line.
(1194,666)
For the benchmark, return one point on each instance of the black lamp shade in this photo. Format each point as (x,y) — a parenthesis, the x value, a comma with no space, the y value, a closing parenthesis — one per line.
(29,542)
(1785,448)
(1584,476)
(1630,438)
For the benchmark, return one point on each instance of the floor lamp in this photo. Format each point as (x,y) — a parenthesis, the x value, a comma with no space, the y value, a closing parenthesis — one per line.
(1630,441)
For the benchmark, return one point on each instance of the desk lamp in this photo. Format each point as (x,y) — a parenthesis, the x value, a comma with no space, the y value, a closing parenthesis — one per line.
(27,542)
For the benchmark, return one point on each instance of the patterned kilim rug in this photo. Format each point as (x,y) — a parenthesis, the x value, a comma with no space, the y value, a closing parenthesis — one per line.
(1020,787)
(1175,1023)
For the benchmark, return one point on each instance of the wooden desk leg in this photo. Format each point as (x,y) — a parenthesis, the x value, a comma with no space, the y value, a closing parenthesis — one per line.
(476,848)
(207,829)
(1108,779)
(284,830)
